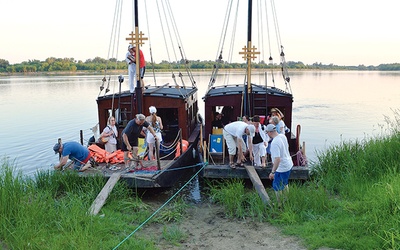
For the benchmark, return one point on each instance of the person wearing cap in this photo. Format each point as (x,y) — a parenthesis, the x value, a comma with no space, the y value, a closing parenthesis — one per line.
(74,151)
(130,136)
(131,61)
(156,123)
(275,120)
(280,126)
(260,142)
(233,134)
(281,160)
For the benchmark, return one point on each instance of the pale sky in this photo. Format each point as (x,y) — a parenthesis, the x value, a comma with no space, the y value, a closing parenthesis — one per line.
(342,32)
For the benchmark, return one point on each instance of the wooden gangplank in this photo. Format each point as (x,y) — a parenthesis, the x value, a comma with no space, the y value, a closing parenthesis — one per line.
(102,196)
(257,184)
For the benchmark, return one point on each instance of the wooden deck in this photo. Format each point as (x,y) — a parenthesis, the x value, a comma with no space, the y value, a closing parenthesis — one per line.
(150,176)
(225,172)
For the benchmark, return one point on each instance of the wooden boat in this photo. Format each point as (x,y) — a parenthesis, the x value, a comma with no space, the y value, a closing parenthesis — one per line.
(248,98)
(176,104)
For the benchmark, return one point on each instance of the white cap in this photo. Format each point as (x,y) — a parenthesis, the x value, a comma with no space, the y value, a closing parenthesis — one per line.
(130,46)
(270,128)
(152,109)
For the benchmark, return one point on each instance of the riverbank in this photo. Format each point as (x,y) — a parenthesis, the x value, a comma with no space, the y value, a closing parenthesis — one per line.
(206,226)
(347,204)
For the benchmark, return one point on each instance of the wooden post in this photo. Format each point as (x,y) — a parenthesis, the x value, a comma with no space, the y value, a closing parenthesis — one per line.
(205,151)
(158,154)
(180,141)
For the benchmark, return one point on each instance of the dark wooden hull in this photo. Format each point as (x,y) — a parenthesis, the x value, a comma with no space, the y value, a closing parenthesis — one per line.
(178,109)
(225,172)
(172,170)
(262,99)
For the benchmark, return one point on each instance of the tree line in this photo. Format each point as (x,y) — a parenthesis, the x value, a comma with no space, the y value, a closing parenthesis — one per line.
(53,64)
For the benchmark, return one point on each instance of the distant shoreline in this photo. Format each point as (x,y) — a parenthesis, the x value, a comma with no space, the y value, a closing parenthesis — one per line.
(94,72)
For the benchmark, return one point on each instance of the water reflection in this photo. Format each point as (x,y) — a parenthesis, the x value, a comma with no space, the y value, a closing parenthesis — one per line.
(330,106)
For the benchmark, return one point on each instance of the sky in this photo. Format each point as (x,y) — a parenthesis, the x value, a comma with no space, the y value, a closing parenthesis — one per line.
(341,32)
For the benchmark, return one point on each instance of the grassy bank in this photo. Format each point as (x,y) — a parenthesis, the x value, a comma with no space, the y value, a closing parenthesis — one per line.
(352,201)
(51,212)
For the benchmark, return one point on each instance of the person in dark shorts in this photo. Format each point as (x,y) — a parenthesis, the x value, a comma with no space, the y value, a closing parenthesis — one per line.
(130,136)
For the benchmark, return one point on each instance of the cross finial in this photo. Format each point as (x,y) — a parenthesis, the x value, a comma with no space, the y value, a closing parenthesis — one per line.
(136,40)
(249,53)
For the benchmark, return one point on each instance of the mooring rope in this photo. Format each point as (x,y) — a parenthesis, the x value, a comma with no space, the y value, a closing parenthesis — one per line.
(158,210)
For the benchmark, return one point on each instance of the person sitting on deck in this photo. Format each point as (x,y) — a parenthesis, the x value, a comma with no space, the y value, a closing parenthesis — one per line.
(74,151)
(130,137)
(217,123)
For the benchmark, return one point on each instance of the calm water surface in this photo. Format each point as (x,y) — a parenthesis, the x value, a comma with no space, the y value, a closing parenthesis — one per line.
(330,106)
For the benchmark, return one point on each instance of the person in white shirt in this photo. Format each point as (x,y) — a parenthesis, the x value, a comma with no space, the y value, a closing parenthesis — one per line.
(111,132)
(233,134)
(260,142)
(131,61)
(281,160)
(156,123)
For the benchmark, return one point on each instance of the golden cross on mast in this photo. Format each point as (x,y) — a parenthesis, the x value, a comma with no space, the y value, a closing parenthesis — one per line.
(136,40)
(248,54)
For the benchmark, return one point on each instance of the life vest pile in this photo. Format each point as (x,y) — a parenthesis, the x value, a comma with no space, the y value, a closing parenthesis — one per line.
(100,155)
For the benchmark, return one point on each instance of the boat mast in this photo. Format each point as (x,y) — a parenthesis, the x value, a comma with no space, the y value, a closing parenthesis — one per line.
(138,89)
(249,14)
(248,53)
(136,38)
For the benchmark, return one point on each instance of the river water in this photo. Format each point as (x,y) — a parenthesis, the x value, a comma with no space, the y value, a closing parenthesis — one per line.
(330,106)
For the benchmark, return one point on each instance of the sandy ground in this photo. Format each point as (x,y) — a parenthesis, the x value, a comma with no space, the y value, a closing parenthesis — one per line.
(208,228)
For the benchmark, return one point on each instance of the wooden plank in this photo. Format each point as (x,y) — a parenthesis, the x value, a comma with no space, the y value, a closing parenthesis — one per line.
(257,184)
(102,196)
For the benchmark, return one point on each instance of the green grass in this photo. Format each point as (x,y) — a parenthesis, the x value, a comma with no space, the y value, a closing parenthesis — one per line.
(351,202)
(50,211)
